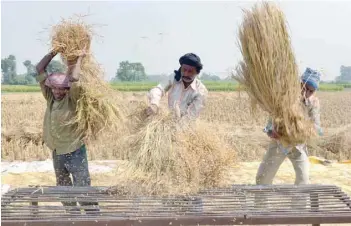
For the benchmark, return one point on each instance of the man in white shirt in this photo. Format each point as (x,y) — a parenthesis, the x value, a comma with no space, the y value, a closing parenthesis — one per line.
(185,91)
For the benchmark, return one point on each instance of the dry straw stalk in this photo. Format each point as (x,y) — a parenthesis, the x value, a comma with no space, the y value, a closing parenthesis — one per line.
(269,74)
(95,110)
(168,155)
(336,144)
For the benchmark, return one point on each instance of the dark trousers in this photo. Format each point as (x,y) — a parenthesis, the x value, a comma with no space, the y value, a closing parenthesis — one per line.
(75,163)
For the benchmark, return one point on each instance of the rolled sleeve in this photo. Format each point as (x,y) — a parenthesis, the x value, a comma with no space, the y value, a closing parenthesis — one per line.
(46,91)
(156,93)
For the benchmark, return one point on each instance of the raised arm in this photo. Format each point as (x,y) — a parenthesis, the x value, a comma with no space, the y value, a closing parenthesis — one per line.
(73,73)
(42,74)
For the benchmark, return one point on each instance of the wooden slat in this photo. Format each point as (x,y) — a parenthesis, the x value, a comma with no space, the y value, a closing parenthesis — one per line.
(317,204)
(197,220)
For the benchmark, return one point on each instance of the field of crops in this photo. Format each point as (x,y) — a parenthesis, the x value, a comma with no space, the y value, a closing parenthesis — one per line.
(229,116)
(144,86)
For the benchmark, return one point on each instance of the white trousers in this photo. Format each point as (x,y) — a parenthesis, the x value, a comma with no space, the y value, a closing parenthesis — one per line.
(270,164)
(275,156)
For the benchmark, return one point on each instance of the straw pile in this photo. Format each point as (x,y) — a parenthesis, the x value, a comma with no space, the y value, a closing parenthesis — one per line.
(269,73)
(23,135)
(336,145)
(95,111)
(168,155)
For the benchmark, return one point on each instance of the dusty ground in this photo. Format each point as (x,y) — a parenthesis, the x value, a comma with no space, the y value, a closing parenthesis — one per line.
(240,173)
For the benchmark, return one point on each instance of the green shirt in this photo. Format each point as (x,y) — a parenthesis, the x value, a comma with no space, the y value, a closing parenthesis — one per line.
(57,134)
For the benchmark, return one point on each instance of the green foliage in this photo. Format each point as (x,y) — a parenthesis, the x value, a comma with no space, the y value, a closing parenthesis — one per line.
(56,66)
(8,69)
(345,74)
(20,88)
(146,86)
(346,86)
(129,77)
(133,86)
(220,86)
(127,87)
(31,72)
(330,87)
(10,76)
(209,77)
(130,72)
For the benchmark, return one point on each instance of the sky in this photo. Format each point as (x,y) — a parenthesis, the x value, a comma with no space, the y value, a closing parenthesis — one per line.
(158,33)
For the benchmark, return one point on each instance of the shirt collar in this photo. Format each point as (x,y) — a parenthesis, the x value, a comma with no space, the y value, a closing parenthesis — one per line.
(192,85)
(309,100)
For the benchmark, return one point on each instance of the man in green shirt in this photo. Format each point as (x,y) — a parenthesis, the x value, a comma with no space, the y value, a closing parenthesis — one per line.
(61,92)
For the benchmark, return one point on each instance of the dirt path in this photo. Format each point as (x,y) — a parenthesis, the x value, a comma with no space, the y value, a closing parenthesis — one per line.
(241,173)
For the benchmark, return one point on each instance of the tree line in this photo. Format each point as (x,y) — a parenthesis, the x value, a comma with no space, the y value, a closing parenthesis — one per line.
(127,71)
(9,71)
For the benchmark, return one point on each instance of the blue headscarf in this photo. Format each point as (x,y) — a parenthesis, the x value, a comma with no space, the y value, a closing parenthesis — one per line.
(311,77)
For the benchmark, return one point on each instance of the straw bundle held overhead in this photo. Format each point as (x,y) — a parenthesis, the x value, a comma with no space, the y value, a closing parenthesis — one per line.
(70,37)
(95,111)
(269,72)
(171,156)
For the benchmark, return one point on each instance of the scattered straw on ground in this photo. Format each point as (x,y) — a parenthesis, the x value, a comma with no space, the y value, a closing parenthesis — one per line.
(336,144)
(240,173)
(269,72)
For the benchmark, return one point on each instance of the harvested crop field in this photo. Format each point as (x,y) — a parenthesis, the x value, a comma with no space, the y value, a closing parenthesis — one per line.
(229,115)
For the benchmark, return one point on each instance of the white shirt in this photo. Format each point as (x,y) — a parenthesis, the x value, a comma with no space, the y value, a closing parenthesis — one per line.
(190,100)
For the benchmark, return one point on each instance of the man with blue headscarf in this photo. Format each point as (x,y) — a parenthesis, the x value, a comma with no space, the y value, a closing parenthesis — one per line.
(276,153)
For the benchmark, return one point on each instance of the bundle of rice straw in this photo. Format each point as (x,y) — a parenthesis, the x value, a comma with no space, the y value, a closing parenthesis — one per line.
(169,155)
(95,111)
(269,74)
